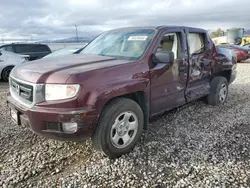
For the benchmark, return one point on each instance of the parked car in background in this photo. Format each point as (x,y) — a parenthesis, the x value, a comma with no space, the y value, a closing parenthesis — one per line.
(35,51)
(239,47)
(247,46)
(7,61)
(116,83)
(229,53)
(64,51)
(241,52)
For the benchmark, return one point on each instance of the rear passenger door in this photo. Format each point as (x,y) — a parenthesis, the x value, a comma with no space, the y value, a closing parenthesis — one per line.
(200,61)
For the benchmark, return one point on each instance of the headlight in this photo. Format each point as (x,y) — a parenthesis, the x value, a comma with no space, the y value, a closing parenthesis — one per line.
(59,92)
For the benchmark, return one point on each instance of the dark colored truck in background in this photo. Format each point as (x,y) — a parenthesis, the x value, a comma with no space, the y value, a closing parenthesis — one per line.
(35,51)
(110,89)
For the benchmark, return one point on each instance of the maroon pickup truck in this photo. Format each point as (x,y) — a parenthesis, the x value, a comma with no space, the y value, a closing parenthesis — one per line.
(117,82)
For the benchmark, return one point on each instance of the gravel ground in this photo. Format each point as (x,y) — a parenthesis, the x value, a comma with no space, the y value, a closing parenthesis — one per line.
(193,146)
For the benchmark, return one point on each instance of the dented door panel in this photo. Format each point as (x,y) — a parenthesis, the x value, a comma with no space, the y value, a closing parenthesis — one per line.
(166,90)
(198,84)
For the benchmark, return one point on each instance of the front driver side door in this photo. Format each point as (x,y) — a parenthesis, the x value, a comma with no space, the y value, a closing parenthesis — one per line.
(168,83)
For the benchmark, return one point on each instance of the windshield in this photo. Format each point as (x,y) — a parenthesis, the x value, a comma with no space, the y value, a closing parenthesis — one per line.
(63,51)
(124,44)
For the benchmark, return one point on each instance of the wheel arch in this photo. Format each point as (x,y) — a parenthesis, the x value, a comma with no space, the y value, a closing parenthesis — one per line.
(138,92)
(225,73)
(140,98)
(8,66)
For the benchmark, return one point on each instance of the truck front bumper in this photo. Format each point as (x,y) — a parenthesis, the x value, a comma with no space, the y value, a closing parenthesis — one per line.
(51,122)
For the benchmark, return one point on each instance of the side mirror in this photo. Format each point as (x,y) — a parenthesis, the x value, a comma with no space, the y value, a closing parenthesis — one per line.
(165,57)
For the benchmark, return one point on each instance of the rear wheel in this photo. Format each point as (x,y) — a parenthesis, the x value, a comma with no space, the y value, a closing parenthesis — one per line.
(6,73)
(218,91)
(119,128)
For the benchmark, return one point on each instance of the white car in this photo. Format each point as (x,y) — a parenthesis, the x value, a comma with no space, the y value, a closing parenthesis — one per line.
(7,61)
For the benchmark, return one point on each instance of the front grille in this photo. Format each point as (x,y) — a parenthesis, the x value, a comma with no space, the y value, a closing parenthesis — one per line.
(23,91)
(53,126)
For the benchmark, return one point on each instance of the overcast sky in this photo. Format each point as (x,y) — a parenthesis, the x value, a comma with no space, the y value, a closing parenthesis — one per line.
(52,19)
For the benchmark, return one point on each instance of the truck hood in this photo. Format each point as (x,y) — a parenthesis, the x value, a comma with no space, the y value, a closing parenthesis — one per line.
(61,68)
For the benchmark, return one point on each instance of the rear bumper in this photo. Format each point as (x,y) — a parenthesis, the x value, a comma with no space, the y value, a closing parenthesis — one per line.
(38,119)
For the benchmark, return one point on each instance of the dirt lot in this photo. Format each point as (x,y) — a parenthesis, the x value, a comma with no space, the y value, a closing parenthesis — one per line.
(194,146)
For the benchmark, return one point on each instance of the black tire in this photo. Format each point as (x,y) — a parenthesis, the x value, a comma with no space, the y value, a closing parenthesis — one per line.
(6,73)
(216,85)
(102,136)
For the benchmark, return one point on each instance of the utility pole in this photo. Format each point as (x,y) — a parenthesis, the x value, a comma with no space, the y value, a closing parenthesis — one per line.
(76,34)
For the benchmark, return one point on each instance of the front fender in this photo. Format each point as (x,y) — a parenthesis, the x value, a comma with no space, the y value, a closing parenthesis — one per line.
(100,96)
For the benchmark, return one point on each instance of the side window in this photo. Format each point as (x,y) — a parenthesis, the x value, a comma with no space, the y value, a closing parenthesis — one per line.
(7,48)
(171,42)
(39,48)
(18,49)
(196,43)
(23,48)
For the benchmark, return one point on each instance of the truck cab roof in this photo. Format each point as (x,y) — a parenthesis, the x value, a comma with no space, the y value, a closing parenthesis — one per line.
(165,27)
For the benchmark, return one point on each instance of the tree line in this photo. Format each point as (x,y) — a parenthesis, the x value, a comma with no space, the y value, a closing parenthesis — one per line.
(219,32)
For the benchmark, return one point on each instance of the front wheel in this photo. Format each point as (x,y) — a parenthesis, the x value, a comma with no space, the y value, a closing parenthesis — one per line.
(218,91)
(119,128)
(6,73)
